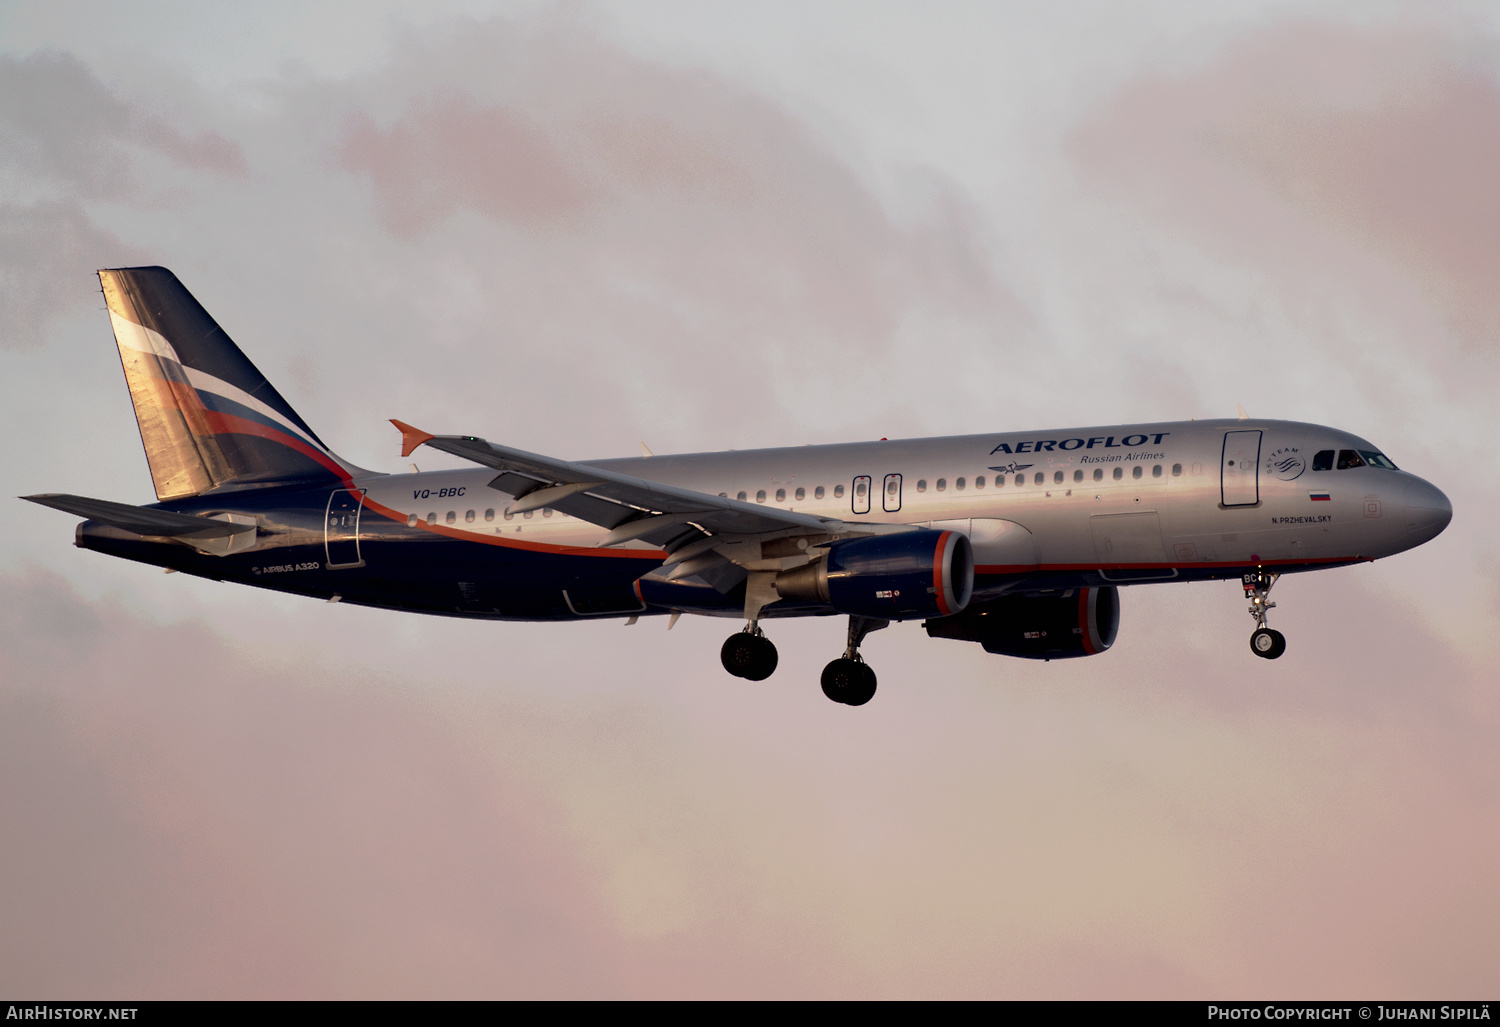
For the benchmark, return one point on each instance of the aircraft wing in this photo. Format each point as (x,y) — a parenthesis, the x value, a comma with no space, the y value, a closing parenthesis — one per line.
(631,507)
(141,520)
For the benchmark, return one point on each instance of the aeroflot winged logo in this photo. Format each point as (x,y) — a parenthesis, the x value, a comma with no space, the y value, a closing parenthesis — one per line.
(1011,468)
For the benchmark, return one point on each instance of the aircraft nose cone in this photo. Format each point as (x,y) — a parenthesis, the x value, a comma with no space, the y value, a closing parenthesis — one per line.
(1427,511)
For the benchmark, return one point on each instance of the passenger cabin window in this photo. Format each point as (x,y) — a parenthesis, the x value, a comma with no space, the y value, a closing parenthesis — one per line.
(760,496)
(509,516)
(1098,474)
(1135,472)
(921,484)
(546,511)
(859,489)
(723,495)
(1020,479)
(960,484)
(1323,461)
(1349,458)
(1057,477)
(838,492)
(1040,477)
(1119,473)
(1177,470)
(489,514)
(942,485)
(469,517)
(781,495)
(432,517)
(979,482)
(1156,471)
(411,520)
(452,516)
(801,495)
(740,496)
(818,492)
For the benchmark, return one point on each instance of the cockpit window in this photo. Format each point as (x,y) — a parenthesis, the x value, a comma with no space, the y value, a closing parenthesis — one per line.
(1323,461)
(1349,458)
(1375,459)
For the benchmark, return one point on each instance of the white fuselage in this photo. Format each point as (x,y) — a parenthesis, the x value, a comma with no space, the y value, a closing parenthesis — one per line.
(1134,497)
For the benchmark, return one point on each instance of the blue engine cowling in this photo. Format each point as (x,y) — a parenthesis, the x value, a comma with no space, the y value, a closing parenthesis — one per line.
(1080,622)
(918,573)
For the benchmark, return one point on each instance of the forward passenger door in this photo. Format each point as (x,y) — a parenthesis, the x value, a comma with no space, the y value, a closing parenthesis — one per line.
(1239,469)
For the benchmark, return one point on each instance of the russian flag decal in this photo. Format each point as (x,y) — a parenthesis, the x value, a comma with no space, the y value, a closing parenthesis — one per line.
(1319,497)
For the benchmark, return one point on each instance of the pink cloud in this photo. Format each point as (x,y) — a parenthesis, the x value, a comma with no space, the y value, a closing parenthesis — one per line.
(61,124)
(46,251)
(453,153)
(69,139)
(1309,133)
(629,167)
(193,817)
(181,822)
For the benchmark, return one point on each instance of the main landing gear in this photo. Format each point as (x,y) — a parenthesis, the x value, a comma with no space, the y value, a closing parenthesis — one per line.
(749,654)
(1264,642)
(849,679)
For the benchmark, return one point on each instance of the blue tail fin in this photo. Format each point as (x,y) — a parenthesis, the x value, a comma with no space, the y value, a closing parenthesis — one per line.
(207,416)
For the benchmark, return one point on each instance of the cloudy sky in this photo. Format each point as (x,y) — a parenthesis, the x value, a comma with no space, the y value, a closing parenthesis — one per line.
(576,226)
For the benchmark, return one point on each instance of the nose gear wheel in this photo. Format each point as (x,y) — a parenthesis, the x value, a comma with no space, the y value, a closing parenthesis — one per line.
(1265,642)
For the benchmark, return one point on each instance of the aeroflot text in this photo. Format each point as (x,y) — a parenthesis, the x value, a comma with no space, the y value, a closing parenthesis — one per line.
(1108,442)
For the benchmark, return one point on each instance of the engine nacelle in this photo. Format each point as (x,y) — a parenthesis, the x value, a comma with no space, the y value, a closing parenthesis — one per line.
(918,573)
(1081,622)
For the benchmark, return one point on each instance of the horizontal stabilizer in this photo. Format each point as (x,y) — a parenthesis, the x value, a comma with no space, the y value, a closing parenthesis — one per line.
(141,520)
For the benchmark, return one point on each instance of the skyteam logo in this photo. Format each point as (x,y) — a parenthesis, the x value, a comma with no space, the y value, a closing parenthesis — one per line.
(1286,463)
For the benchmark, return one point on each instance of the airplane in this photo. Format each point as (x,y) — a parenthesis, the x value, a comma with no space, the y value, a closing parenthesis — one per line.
(1020,541)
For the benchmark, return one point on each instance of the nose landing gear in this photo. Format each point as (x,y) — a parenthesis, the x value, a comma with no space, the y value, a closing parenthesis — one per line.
(849,679)
(1264,642)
